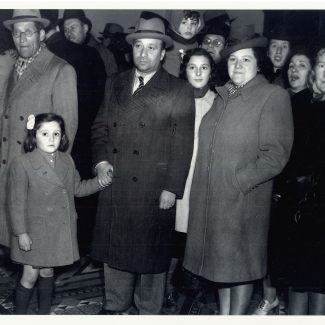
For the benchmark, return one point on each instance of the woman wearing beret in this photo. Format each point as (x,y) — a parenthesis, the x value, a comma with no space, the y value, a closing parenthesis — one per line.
(245,140)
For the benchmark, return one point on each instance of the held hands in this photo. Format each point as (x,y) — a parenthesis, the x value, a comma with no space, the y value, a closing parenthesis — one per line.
(166,200)
(24,242)
(105,174)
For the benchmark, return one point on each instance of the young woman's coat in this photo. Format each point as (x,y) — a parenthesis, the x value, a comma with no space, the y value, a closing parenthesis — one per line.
(41,203)
(244,143)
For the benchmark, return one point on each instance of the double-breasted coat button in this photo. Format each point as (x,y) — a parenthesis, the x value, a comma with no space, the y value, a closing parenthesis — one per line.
(64,191)
(4,139)
(135,152)
(142,124)
(114,150)
(21,118)
(115,124)
(4,162)
(6,116)
(134,179)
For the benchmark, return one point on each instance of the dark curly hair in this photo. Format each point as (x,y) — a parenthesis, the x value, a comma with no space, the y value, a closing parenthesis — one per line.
(197,52)
(30,140)
(6,42)
(264,64)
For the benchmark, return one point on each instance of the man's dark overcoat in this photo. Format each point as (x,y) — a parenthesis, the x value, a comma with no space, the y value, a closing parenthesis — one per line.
(149,142)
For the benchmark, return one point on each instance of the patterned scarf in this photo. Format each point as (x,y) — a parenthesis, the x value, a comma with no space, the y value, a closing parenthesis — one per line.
(232,88)
(22,64)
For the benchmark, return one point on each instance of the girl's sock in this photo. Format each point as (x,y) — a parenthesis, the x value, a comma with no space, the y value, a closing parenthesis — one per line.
(22,299)
(45,289)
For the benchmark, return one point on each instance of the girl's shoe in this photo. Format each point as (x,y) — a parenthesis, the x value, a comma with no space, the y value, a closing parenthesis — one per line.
(265,308)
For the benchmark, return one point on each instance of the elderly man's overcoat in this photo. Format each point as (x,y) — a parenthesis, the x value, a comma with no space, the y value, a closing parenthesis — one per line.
(48,85)
(149,142)
(41,202)
(244,142)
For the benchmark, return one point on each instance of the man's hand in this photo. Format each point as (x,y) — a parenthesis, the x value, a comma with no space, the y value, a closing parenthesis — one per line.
(24,242)
(105,174)
(166,200)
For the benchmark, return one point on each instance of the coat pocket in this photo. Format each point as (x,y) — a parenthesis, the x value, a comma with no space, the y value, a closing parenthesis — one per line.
(35,227)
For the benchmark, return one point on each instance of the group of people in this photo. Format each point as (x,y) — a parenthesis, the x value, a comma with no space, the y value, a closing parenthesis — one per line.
(207,155)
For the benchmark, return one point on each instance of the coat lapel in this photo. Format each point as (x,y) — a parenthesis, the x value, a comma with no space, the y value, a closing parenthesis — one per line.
(45,171)
(147,97)
(30,77)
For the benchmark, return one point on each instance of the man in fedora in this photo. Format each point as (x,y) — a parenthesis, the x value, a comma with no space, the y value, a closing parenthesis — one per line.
(109,31)
(38,82)
(217,27)
(76,28)
(142,143)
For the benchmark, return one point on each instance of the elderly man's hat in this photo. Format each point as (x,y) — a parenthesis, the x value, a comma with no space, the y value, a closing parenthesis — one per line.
(75,14)
(243,37)
(150,28)
(23,15)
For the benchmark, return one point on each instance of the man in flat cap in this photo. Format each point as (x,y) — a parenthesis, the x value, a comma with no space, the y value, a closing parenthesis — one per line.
(39,82)
(142,144)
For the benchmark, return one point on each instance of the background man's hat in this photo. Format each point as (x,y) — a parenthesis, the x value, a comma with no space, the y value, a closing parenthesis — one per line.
(217,27)
(23,15)
(150,28)
(75,14)
(282,33)
(220,15)
(110,29)
(243,37)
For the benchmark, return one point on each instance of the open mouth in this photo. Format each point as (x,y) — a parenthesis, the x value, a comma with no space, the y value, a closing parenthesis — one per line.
(294,77)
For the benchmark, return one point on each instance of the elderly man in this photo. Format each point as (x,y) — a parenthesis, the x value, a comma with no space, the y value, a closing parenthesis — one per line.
(142,139)
(39,82)
(217,23)
(76,28)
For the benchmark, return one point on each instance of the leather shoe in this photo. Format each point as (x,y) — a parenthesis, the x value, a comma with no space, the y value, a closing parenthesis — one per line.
(171,302)
(109,312)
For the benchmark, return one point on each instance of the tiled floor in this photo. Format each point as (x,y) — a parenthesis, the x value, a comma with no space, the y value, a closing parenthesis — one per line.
(79,291)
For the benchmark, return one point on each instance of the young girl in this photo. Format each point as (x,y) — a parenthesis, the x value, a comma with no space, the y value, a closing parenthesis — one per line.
(183,29)
(43,183)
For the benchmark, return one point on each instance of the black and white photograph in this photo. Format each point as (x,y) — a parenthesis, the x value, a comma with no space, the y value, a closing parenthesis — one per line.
(162,161)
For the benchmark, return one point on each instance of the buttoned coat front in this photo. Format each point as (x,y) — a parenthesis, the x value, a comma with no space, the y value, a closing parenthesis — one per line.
(47,86)
(149,142)
(41,203)
(244,142)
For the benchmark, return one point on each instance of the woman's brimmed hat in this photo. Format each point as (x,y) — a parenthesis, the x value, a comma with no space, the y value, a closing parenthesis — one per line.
(150,28)
(23,15)
(243,37)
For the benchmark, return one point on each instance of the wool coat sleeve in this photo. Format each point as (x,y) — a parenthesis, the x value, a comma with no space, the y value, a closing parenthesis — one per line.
(65,101)
(275,142)
(17,201)
(182,139)
(85,187)
(100,132)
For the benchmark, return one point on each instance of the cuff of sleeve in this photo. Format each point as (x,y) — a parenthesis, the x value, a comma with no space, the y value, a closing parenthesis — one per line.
(95,168)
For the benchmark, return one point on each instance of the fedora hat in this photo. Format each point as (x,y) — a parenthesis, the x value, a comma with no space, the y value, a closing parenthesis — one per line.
(110,29)
(22,15)
(75,14)
(150,28)
(282,33)
(243,37)
(220,15)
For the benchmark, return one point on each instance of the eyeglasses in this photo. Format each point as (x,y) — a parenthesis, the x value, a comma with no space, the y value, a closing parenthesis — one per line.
(28,33)
(214,43)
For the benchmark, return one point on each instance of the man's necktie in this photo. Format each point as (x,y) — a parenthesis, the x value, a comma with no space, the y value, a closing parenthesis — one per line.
(141,84)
